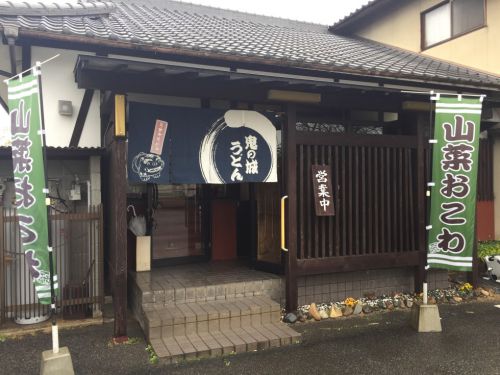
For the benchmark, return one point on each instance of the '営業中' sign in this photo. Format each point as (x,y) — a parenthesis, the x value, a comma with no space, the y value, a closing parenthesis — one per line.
(322,190)
(454,174)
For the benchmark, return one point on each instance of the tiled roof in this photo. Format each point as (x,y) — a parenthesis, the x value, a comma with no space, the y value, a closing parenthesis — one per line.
(215,33)
(358,12)
(60,8)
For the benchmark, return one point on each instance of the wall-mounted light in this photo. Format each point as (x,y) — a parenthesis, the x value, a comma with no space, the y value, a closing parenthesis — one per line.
(294,96)
(65,107)
(120,115)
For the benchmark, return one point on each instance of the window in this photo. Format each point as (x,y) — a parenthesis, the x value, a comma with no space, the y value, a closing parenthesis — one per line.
(451,19)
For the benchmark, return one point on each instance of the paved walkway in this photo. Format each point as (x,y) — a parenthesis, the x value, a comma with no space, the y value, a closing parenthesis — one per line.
(380,343)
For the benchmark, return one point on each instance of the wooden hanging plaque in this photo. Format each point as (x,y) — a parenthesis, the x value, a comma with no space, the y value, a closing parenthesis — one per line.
(322,190)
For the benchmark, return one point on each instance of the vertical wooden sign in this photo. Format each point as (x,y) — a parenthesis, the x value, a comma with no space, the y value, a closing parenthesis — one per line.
(322,190)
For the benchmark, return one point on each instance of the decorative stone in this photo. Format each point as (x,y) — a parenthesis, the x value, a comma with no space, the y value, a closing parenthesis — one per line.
(348,311)
(409,302)
(302,317)
(358,308)
(335,312)
(477,292)
(313,312)
(389,305)
(396,302)
(290,318)
(485,293)
(457,299)
(431,300)
(367,309)
(323,314)
(370,295)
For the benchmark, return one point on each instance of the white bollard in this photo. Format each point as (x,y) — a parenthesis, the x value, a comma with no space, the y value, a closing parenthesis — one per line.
(55,339)
(425,293)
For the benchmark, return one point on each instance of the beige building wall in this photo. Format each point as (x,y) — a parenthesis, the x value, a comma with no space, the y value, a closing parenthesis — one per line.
(401,28)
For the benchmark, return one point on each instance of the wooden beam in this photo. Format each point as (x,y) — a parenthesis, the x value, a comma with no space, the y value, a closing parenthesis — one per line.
(5,73)
(26,56)
(358,140)
(226,90)
(81,118)
(120,67)
(183,75)
(356,263)
(290,163)
(107,103)
(12,55)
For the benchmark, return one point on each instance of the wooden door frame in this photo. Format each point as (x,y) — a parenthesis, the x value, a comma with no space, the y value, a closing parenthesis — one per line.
(289,148)
(206,240)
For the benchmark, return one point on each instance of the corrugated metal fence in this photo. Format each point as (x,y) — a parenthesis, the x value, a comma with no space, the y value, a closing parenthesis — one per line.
(78,249)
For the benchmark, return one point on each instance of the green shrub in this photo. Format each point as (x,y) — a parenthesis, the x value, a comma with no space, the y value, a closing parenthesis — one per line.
(486,248)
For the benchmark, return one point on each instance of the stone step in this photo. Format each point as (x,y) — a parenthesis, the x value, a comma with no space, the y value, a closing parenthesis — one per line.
(216,343)
(184,319)
(167,292)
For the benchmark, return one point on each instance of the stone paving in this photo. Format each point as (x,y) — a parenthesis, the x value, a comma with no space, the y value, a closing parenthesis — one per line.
(209,310)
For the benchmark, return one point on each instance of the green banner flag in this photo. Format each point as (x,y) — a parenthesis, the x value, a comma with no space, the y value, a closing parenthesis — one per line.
(454,174)
(29,180)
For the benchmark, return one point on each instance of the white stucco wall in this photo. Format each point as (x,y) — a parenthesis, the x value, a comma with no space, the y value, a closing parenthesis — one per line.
(58,83)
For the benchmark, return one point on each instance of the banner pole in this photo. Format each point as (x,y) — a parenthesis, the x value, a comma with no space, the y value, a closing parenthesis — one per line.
(55,331)
(428,178)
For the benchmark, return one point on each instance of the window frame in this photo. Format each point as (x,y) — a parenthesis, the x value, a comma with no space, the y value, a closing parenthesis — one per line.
(453,36)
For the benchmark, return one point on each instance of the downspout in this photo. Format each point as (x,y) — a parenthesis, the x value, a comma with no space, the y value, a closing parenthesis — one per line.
(11,34)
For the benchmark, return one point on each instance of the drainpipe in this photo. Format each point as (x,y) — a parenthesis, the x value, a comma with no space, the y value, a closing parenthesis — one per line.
(11,34)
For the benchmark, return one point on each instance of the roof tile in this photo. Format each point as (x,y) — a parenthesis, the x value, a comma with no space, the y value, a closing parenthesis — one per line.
(187,26)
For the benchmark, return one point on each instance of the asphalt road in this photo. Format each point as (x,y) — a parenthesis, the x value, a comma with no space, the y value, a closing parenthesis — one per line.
(379,343)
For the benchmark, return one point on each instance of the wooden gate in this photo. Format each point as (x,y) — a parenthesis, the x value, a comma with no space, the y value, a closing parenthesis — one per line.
(378,193)
(78,256)
(374,199)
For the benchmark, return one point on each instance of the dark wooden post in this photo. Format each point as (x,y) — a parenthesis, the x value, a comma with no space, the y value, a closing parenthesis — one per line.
(290,168)
(116,150)
(421,203)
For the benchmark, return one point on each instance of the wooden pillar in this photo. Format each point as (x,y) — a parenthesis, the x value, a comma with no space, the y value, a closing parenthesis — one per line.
(290,168)
(421,203)
(116,151)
